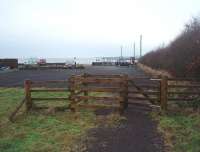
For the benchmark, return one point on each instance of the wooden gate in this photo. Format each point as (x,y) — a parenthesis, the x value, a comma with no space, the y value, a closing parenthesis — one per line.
(144,91)
(99,91)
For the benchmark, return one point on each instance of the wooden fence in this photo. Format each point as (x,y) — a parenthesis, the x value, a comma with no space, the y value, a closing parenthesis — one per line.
(179,90)
(39,86)
(183,89)
(162,91)
(87,91)
(112,91)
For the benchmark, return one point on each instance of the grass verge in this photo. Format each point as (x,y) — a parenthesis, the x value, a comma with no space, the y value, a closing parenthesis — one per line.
(181,131)
(37,132)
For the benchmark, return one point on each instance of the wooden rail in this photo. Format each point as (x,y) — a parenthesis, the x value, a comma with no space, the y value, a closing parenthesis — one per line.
(166,90)
(180,89)
(50,90)
(109,88)
(142,92)
(183,89)
(29,89)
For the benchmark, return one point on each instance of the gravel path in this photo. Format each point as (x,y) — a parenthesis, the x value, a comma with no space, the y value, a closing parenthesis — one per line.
(137,134)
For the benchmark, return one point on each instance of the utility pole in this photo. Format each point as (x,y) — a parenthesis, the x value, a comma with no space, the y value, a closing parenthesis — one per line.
(134,49)
(121,50)
(140,45)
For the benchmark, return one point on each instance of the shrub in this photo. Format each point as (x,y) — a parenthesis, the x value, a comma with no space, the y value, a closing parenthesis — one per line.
(182,56)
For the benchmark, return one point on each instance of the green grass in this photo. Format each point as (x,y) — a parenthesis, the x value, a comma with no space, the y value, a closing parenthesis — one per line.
(182,132)
(37,132)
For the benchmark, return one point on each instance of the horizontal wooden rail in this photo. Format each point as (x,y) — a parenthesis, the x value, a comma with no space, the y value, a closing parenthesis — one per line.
(139,104)
(57,108)
(97,106)
(138,78)
(184,79)
(181,99)
(99,98)
(47,99)
(102,89)
(142,98)
(184,86)
(146,92)
(184,92)
(146,86)
(50,90)
(102,80)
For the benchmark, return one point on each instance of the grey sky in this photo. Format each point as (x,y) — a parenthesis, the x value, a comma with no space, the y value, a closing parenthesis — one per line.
(85,28)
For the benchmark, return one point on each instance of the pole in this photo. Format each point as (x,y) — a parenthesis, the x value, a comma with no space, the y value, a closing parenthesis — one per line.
(121,50)
(140,45)
(134,49)
(164,92)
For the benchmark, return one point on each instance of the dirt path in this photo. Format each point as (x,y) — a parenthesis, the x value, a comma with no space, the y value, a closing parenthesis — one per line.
(137,134)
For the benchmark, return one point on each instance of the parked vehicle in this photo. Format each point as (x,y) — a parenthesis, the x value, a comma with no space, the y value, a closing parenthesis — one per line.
(3,68)
(41,61)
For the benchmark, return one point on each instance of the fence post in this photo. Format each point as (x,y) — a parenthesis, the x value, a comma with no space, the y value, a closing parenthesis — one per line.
(126,91)
(85,86)
(164,92)
(122,95)
(72,92)
(27,87)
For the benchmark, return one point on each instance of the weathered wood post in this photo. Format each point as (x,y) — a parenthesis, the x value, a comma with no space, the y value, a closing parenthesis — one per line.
(85,75)
(72,94)
(164,92)
(27,89)
(122,95)
(126,91)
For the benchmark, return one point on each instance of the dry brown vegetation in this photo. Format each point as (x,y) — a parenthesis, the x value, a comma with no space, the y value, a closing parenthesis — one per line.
(153,72)
(182,56)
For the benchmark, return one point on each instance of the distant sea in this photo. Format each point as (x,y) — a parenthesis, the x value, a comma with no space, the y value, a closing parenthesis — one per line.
(59,60)
(70,60)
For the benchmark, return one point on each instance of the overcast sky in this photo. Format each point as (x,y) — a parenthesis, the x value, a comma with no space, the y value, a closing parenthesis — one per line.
(89,28)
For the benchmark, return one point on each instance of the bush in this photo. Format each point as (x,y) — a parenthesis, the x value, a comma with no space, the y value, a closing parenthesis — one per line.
(182,56)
